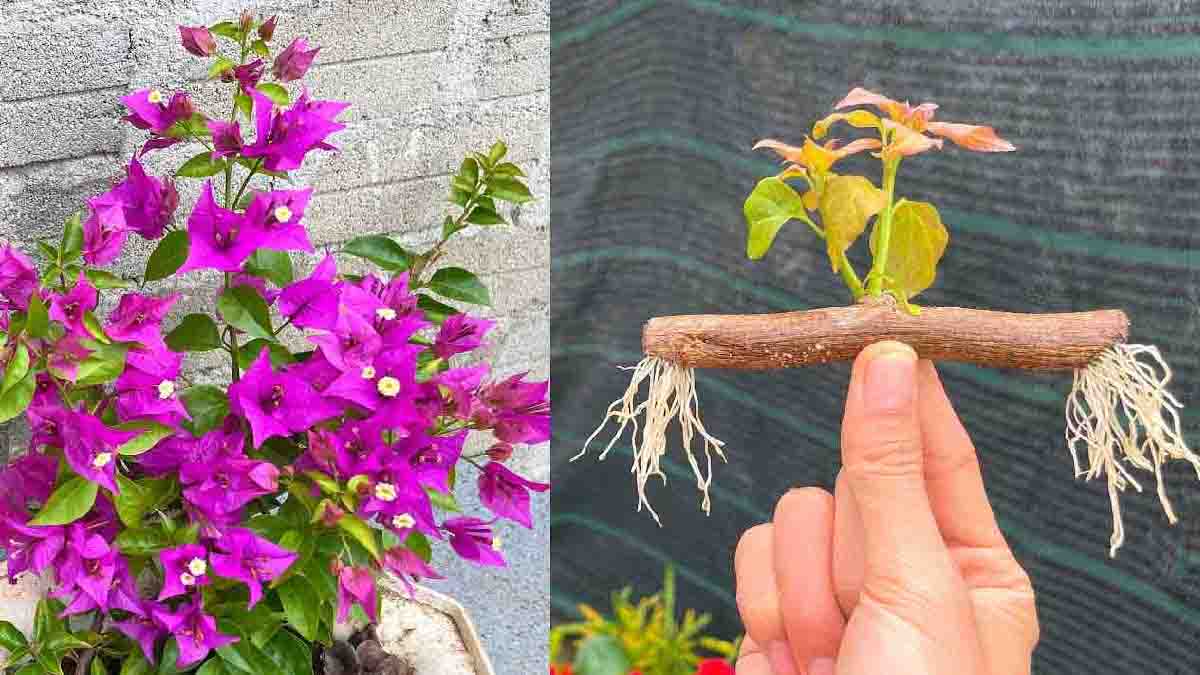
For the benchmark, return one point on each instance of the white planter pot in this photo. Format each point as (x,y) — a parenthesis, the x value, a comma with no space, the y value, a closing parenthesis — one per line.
(431,631)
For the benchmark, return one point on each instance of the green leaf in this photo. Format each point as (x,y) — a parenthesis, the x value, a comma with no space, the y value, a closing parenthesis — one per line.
(918,241)
(50,663)
(244,105)
(169,659)
(69,502)
(435,310)
(72,239)
(847,203)
(481,215)
(14,401)
(242,656)
(261,49)
(243,308)
(196,333)
(290,653)
(601,655)
(207,405)
(459,284)
(443,500)
(382,251)
(46,619)
(168,256)
(214,666)
(31,669)
(362,532)
(11,638)
(136,664)
(64,642)
(137,498)
(418,543)
(771,204)
(202,165)
(302,606)
(92,324)
(227,29)
(105,280)
(104,364)
(497,153)
(219,67)
(18,368)
(459,196)
(469,171)
(143,541)
(151,434)
(37,323)
(278,95)
(508,169)
(97,667)
(247,353)
(509,189)
(274,266)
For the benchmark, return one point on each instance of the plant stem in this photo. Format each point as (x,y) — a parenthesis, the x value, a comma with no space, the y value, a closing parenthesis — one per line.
(241,190)
(875,278)
(850,277)
(235,371)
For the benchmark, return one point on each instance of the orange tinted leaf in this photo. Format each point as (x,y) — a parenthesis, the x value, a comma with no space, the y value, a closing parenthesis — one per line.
(855,147)
(793,171)
(789,152)
(860,96)
(918,241)
(971,137)
(858,118)
(906,142)
(847,203)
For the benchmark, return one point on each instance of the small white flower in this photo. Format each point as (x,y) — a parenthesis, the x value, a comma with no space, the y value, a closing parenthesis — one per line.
(385,492)
(283,214)
(385,313)
(496,543)
(403,521)
(102,460)
(389,386)
(166,389)
(155,96)
(198,566)
(187,579)
(368,372)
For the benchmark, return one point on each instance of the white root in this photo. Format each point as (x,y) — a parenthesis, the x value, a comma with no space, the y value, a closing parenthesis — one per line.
(671,395)
(1119,409)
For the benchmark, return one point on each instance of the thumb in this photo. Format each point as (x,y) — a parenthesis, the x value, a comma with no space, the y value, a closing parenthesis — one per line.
(882,457)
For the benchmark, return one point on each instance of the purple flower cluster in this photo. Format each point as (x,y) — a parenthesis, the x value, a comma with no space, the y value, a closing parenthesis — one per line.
(363,434)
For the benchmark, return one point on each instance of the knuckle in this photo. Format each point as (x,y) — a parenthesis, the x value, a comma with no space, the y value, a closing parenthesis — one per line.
(897,453)
(905,596)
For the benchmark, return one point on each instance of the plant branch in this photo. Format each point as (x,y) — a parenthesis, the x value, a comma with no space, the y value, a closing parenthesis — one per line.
(879,264)
(790,339)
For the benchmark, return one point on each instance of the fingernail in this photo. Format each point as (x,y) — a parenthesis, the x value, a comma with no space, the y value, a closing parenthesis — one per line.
(779,655)
(821,666)
(889,384)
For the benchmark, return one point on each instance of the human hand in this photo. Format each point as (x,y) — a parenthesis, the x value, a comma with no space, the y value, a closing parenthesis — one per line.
(903,570)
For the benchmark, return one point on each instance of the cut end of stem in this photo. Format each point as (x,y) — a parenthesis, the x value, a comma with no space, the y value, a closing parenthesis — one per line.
(1120,409)
(671,395)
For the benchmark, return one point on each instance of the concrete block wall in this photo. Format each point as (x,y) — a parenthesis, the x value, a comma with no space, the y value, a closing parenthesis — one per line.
(428,80)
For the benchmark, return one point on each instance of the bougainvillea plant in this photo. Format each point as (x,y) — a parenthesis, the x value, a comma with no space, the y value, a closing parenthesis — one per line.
(640,638)
(1119,412)
(228,525)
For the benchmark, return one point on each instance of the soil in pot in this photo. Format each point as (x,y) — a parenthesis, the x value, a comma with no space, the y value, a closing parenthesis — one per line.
(362,654)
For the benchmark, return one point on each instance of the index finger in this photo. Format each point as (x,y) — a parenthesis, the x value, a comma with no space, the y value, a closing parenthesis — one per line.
(953,479)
